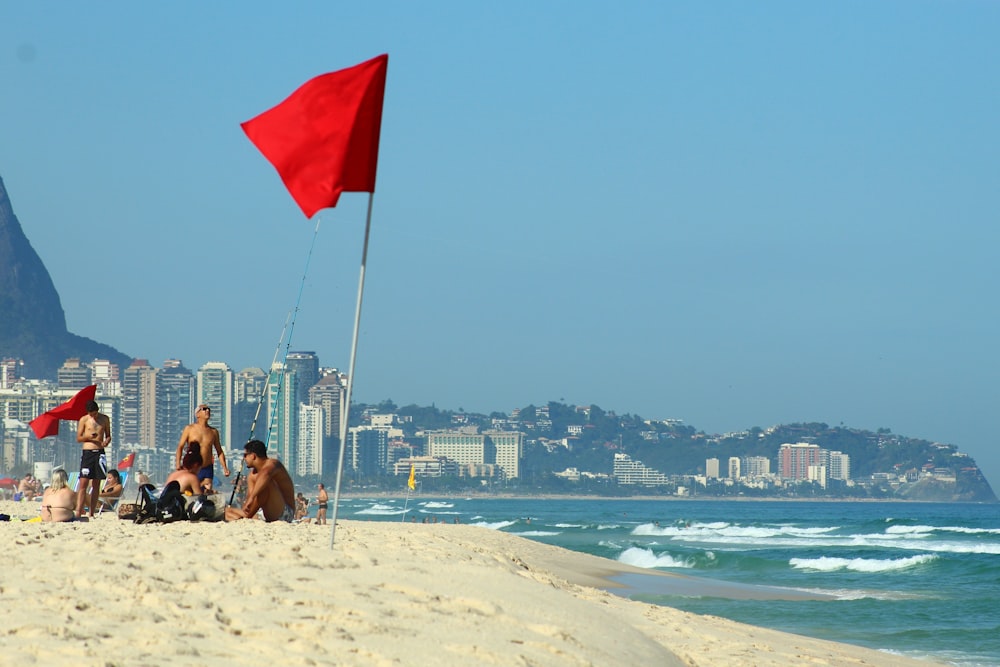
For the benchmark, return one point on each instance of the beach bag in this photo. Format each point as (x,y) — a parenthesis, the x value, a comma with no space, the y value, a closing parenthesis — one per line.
(171,506)
(128,511)
(201,509)
(146,511)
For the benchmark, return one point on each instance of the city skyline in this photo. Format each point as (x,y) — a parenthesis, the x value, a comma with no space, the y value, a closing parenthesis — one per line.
(737,215)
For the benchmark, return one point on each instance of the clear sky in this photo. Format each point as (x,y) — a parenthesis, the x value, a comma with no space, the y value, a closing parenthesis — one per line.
(737,214)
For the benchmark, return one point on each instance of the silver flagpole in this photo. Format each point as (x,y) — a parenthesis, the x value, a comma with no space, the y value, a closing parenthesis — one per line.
(345,407)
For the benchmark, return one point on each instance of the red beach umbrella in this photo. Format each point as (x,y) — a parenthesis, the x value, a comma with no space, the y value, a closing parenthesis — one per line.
(7,481)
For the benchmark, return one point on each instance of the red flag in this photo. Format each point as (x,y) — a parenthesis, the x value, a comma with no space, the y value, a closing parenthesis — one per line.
(127,461)
(323,139)
(47,423)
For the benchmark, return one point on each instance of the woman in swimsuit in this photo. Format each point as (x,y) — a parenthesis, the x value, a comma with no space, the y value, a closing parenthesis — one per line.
(58,501)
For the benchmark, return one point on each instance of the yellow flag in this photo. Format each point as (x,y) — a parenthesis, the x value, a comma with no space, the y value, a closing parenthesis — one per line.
(412,482)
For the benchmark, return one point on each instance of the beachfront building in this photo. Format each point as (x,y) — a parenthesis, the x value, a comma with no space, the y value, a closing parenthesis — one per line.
(712,468)
(328,393)
(425,466)
(467,446)
(175,404)
(734,468)
(630,472)
(509,450)
(794,460)
(74,374)
(282,415)
(215,389)
(756,467)
(249,387)
(309,459)
(138,405)
(10,372)
(106,376)
(306,368)
(839,466)
(367,450)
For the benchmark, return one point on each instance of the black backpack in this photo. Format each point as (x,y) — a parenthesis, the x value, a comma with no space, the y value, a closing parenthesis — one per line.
(171,506)
(146,505)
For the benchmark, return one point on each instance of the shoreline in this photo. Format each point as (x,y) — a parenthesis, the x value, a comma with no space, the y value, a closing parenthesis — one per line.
(388,593)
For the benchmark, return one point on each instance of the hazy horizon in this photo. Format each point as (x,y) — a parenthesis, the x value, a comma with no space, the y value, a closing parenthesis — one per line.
(733,214)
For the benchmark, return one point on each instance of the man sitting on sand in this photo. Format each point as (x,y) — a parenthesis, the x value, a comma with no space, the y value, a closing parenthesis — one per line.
(270,489)
(187,475)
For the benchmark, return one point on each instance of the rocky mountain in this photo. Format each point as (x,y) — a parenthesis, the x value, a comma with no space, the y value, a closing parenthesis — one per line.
(32,321)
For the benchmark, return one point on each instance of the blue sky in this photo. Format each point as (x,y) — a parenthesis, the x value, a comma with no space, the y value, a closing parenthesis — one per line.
(736,214)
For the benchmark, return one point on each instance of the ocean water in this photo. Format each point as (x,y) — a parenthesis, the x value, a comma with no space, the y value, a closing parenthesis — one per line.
(915,579)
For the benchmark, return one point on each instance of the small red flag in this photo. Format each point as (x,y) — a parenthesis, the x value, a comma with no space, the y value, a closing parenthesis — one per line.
(323,139)
(47,423)
(127,461)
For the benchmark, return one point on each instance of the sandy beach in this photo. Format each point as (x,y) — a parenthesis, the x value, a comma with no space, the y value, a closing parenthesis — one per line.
(109,592)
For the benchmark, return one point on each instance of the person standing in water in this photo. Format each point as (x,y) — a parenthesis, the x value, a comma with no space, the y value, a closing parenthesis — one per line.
(207,439)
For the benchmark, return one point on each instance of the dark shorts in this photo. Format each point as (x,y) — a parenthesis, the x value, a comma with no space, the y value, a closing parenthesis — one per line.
(208,472)
(93,464)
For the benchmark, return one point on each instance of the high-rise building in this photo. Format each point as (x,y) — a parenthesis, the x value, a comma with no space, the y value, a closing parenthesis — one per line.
(139,405)
(74,374)
(10,372)
(461,446)
(794,460)
(509,450)
(328,393)
(310,447)
(757,466)
(367,450)
(175,402)
(249,411)
(839,466)
(106,376)
(282,415)
(734,468)
(306,368)
(215,389)
(712,468)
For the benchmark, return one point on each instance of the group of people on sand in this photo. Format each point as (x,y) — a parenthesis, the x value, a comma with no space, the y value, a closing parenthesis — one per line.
(59,501)
(270,492)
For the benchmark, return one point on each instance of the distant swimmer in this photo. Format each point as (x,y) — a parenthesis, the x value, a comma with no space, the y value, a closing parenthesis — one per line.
(207,439)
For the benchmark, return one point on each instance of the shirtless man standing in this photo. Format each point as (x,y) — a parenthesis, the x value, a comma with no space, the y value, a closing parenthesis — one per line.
(94,433)
(269,487)
(207,439)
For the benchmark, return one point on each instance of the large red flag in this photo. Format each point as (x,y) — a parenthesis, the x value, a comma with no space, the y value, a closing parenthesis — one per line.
(126,462)
(323,139)
(47,423)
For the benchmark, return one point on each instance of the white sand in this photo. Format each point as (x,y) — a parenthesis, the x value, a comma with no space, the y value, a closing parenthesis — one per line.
(110,592)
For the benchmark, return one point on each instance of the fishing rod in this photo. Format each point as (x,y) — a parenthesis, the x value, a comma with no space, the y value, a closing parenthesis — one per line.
(291,329)
(260,403)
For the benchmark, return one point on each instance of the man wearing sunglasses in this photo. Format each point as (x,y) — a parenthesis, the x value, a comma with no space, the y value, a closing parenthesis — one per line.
(270,490)
(207,438)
